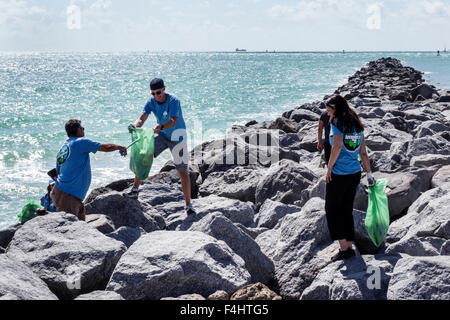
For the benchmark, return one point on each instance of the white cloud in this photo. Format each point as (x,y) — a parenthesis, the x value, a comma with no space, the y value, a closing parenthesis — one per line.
(15,12)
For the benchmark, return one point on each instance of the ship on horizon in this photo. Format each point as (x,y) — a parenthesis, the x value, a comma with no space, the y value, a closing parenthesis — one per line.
(241,50)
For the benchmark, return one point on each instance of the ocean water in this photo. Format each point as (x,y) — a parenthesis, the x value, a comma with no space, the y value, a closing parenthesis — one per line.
(39,92)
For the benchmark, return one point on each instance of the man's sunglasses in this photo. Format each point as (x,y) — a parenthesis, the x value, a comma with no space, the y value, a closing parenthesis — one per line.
(157,93)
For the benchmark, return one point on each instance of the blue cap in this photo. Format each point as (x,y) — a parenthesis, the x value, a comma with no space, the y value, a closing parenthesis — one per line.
(156,84)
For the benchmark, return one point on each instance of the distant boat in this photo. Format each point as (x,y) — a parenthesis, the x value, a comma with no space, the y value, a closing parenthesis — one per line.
(240,50)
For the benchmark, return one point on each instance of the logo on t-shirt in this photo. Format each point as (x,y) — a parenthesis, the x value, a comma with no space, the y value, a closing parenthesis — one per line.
(63,154)
(352,141)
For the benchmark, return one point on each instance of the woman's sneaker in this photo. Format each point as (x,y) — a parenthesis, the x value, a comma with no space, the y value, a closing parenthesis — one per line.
(190,210)
(341,255)
(133,193)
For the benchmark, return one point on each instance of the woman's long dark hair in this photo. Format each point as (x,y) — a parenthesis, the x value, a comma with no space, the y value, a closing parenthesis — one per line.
(345,118)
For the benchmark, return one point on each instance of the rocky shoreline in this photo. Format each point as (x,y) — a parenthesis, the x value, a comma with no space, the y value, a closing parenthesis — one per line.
(260,231)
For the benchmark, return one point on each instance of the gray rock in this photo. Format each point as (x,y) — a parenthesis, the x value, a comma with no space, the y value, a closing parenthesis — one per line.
(252,232)
(102,223)
(127,235)
(18,282)
(259,266)
(420,278)
(303,114)
(271,212)
(125,212)
(298,247)
(426,227)
(425,90)
(7,234)
(2,250)
(188,297)
(430,160)
(358,278)
(69,255)
(173,263)
(284,182)
(442,177)
(100,295)
(219,295)
(284,124)
(236,183)
(235,210)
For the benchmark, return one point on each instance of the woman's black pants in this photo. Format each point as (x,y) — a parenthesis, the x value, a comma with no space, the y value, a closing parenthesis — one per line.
(341,192)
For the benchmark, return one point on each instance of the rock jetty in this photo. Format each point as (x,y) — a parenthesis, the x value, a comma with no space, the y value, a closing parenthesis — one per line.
(260,231)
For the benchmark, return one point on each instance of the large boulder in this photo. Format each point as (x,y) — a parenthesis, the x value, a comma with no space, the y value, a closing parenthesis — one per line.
(126,212)
(423,90)
(358,278)
(284,182)
(420,278)
(442,177)
(69,255)
(235,210)
(236,183)
(259,266)
(100,296)
(102,223)
(271,212)
(173,263)
(7,234)
(19,282)
(298,246)
(127,235)
(425,229)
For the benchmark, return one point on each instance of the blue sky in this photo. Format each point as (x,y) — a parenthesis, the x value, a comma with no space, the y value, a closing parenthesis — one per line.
(213,25)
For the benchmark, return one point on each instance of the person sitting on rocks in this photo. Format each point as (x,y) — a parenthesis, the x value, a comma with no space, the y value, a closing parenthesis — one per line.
(344,173)
(171,134)
(74,169)
(324,123)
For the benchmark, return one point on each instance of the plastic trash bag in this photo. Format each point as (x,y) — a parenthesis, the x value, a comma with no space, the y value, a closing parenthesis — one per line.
(29,211)
(141,154)
(377,218)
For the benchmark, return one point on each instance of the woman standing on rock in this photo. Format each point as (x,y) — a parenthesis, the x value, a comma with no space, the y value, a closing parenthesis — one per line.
(344,173)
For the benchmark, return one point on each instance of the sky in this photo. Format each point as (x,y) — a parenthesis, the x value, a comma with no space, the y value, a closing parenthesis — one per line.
(216,25)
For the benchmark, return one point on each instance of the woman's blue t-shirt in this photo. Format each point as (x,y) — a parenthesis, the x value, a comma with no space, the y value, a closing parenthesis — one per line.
(347,162)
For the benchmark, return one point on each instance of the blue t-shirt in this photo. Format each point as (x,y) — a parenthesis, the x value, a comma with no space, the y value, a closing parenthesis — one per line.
(74,166)
(163,112)
(347,162)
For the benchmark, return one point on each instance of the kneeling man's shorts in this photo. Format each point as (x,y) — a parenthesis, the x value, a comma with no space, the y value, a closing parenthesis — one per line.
(178,149)
(65,202)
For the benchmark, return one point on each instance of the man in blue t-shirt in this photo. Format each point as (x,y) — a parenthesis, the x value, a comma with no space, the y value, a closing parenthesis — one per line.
(171,134)
(74,169)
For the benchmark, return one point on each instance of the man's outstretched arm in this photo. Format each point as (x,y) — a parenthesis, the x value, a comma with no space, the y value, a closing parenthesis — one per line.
(109,147)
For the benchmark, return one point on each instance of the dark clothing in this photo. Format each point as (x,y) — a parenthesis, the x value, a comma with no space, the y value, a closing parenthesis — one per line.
(340,195)
(326,124)
(327,149)
(325,118)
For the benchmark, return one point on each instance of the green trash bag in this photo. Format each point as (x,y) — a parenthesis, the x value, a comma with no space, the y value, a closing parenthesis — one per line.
(377,218)
(29,211)
(141,154)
